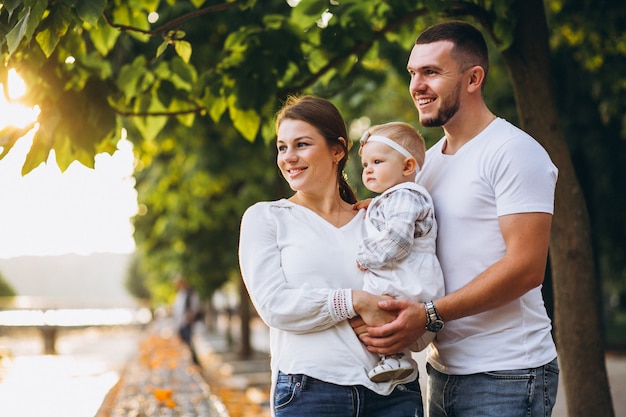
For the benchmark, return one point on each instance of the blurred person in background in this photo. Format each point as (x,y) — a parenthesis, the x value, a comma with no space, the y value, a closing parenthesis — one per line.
(185,312)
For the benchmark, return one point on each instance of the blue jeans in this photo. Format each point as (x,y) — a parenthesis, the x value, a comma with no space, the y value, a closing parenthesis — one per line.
(515,393)
(302,396)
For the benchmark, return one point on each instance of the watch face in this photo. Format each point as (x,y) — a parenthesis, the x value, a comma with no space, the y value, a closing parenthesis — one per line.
(435,326)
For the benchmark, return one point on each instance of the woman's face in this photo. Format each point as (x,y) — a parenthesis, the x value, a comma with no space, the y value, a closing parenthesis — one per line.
(304,157)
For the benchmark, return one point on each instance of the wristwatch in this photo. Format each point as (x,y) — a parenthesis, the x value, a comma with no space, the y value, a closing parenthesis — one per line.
(433,321)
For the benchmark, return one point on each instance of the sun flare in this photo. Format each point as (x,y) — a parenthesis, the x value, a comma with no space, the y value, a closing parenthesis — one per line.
(47,212)
(13,113)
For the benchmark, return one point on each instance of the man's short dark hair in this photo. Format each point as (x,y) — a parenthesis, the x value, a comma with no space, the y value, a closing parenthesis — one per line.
(469,44)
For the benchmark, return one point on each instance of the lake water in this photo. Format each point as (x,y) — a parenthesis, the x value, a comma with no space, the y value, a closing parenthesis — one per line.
(72,383)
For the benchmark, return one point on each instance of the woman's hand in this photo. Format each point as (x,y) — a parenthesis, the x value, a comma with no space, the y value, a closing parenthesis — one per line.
(366,306)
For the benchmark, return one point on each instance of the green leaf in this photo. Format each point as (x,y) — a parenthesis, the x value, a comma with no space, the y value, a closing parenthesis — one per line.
(90,10)
(66,153)
(147,5)
(312,7)
(150,126)
(247,122)
(346,65)
(28,20)
(39,151)
(183,75)
(10,135)
(103,37)
(216,105)
(183,49)
(36,15)
(180,106)
(127,15)
(162,48)
(15,35)
(129,77)
(11,5)
(268,132)
(55,27)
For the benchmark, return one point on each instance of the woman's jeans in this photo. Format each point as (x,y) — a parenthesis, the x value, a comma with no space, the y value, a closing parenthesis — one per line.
(303,396)
(516,393)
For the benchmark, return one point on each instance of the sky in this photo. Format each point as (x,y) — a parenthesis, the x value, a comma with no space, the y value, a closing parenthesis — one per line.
(81,210)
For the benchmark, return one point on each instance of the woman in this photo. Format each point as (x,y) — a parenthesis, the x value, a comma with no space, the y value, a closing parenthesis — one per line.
(297,260)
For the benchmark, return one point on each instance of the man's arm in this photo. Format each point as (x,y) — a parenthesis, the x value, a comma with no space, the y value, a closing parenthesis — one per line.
(521,269)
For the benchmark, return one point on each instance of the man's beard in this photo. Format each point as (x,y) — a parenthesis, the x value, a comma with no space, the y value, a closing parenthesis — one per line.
(447,110)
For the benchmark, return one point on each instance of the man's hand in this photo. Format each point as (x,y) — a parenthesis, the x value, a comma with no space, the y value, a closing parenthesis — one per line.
(408,326)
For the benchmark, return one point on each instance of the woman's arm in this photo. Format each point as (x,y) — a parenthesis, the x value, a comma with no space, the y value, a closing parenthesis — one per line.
(299,309)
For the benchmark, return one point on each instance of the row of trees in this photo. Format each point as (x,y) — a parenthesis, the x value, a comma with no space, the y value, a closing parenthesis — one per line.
(196,84)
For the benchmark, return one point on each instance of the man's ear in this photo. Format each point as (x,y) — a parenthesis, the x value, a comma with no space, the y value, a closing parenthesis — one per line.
(476,78)
(410,165)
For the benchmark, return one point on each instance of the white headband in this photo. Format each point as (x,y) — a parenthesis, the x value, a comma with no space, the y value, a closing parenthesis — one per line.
(388,142)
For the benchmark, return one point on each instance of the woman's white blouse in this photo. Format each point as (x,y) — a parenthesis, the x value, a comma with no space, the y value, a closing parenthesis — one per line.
(296,267)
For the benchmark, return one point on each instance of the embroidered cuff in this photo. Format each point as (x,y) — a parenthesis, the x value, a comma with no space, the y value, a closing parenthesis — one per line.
(341,304)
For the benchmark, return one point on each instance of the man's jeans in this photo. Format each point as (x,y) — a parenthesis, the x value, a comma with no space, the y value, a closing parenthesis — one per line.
(303,396)
(516,393)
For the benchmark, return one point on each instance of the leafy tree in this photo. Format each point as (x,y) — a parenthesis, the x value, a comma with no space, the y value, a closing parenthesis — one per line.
(194,192)
(570,247)
(188,97)
(589,51)
(6,290)
(136,282)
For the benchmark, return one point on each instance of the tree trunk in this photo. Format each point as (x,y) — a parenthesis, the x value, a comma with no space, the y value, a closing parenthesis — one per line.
(576,289)
(245,349)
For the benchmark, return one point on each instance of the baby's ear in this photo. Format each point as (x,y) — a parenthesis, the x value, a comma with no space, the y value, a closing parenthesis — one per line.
(410,165)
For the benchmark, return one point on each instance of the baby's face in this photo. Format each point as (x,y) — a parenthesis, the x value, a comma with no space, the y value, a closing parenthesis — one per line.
(383,166)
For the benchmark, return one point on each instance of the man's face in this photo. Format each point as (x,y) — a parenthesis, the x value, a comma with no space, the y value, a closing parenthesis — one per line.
(435,84)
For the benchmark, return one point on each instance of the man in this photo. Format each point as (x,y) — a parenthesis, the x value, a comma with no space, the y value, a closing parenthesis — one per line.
(493,191)
(185,310)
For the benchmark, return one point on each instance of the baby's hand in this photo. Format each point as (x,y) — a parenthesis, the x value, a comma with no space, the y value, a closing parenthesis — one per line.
(361,268)
(363,204)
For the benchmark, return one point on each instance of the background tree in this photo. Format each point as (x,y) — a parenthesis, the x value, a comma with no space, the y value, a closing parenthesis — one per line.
(136,282)
(571,255)
(188,96)
(6,290)
(588,53)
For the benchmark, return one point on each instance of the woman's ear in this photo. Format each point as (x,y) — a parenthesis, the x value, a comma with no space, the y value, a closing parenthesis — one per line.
(339,151)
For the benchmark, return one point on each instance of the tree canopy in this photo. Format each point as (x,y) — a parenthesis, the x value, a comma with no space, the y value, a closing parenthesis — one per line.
(195,84)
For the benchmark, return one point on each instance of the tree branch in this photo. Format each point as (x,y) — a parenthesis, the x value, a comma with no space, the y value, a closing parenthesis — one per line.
(359,49)
(124,113)
(173,23)
(456,9)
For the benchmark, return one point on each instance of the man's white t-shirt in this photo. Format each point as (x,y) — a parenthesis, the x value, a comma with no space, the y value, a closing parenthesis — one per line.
(500,171)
